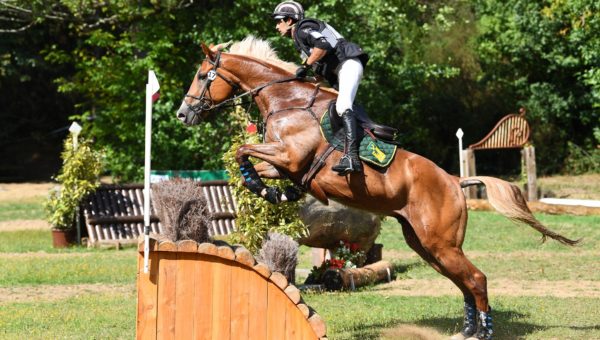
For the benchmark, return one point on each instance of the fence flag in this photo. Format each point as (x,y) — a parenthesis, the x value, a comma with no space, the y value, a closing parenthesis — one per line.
(152,94)
(153,85)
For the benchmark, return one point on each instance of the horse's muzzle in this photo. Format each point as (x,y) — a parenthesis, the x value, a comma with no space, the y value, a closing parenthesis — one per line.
(188,116)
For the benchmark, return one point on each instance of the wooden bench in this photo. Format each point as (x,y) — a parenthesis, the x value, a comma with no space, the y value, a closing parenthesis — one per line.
(114,213)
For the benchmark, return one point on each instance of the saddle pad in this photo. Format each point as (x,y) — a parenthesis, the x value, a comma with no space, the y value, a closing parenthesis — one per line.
(372,151)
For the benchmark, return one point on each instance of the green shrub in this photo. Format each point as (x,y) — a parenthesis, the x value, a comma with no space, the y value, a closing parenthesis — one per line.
(255,216)
(78,177)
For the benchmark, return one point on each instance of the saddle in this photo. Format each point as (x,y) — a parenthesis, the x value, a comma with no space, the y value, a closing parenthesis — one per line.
(384,133)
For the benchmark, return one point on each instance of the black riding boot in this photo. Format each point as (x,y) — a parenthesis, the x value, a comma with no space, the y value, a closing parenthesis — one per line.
(350,161)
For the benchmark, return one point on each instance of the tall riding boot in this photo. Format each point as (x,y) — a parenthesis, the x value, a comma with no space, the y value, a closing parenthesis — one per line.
(350,161)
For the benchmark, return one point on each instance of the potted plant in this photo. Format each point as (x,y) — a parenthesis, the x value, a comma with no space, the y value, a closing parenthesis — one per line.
(78,177)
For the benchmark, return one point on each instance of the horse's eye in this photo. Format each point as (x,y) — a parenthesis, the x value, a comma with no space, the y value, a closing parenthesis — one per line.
(201,76)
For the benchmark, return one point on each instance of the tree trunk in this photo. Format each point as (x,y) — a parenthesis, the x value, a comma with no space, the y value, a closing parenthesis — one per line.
(350,278)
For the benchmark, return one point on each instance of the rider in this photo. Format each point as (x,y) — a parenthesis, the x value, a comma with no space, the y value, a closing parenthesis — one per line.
(339,61)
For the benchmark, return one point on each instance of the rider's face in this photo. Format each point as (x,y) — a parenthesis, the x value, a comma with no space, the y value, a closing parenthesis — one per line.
(283,26)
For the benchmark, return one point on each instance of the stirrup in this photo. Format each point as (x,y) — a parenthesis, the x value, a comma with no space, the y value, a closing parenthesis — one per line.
(346,166)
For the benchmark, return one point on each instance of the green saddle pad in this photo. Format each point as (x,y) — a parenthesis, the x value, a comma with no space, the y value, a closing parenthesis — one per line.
(371,150)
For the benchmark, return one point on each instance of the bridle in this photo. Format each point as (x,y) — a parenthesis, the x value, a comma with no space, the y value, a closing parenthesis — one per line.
(207,104)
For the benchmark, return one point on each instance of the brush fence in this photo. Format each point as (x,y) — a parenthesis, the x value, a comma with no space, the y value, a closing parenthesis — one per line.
(215,291)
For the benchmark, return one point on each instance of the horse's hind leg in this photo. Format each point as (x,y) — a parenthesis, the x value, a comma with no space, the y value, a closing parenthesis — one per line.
(451,262)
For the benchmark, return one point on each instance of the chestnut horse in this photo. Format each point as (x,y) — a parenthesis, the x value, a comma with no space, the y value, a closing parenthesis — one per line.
(427,201)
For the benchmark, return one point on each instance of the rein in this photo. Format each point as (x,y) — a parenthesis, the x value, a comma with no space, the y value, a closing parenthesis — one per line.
(206,104)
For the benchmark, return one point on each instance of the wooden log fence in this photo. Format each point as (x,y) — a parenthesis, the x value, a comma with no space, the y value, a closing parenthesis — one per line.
(114,213)
(351,278)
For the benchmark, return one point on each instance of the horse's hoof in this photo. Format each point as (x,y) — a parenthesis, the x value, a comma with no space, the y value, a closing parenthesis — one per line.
(472,338)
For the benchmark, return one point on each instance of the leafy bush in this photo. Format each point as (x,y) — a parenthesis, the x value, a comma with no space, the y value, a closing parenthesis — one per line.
(78,177)
(255,216)
(580,161)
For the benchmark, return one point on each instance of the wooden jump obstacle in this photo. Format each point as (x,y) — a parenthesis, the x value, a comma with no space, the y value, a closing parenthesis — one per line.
(215,291)
(511,132)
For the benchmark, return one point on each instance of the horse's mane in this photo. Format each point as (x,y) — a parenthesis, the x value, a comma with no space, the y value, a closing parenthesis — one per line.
(260,49)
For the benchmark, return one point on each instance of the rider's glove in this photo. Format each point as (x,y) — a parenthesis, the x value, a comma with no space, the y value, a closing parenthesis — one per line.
(302,71)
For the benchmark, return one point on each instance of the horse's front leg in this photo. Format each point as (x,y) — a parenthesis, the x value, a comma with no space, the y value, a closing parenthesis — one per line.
(267,170)
(275,156)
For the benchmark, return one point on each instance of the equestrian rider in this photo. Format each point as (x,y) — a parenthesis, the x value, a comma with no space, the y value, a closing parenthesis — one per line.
(329,55)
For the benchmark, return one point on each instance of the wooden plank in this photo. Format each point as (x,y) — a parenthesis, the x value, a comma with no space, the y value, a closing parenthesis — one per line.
(275,312)
(167,282)
(147,304)
(221,320)
(240,301)
(185,295)
(203,297)
(293,321)
(258,300)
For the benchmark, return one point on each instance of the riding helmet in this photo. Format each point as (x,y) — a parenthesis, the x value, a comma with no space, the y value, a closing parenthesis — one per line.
(289,9)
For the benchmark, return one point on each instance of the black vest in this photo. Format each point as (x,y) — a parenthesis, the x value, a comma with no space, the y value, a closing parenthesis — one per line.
(342,49)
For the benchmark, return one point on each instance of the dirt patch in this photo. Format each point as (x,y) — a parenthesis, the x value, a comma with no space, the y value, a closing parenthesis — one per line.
(52,293)
(411,332)
(443,287)
(17,225)
(392,255)
(43,254)
(18,192)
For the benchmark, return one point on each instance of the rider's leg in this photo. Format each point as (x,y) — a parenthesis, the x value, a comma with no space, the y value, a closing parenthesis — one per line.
(349,76)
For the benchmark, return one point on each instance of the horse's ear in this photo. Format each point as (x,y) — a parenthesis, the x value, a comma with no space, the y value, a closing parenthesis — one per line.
(207,51)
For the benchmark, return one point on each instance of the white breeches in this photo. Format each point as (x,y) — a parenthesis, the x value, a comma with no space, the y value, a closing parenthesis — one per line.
(349,76)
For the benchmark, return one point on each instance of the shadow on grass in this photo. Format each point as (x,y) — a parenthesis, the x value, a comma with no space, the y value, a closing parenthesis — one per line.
(505,327)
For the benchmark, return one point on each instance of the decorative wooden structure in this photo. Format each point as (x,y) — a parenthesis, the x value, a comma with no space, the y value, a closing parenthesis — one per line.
(215,291)
(114,213)
(511,132)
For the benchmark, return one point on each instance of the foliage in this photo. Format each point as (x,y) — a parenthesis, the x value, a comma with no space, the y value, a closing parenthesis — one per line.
(435,67)
(346,255)
(255,216)
(78,177)
(545,55)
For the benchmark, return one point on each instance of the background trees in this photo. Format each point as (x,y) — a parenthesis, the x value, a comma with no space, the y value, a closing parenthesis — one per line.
(435,66)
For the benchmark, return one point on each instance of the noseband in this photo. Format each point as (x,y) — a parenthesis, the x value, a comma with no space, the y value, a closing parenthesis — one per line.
(207,104)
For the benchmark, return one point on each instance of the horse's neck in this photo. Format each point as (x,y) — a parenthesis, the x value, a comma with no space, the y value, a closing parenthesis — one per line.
(253,74)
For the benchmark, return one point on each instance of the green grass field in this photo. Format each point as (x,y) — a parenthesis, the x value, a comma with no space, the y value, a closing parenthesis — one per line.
(503,250)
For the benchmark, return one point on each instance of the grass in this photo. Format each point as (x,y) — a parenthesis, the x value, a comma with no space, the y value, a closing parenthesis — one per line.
(102,316)
(28,210)
(502,249)
(60,269)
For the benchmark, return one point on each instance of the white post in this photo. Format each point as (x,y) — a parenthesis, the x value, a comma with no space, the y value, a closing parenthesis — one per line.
(459,135)
(148,148)
(151,88)
(75,129)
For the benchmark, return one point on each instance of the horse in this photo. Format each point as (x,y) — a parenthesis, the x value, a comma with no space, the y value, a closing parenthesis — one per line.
(427,201)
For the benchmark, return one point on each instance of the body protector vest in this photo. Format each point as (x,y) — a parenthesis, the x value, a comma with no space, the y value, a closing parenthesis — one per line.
(312,33)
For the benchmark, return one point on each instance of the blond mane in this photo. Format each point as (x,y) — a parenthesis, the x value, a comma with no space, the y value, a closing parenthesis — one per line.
(260,49)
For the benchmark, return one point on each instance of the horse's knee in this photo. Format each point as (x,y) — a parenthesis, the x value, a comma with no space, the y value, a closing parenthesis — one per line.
(242,153)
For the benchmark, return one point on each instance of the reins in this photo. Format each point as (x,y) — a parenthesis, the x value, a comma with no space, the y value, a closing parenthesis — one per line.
(212,74)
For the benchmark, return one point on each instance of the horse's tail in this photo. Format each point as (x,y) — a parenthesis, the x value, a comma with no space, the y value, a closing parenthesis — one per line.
(508,200)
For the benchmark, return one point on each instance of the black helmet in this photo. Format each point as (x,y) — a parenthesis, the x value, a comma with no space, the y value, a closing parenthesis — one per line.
(289,9)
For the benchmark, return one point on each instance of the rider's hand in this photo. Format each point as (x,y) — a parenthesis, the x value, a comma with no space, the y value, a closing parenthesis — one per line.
(302,71)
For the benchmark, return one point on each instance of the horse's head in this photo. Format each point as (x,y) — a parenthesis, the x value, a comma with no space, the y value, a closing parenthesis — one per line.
(209,88)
